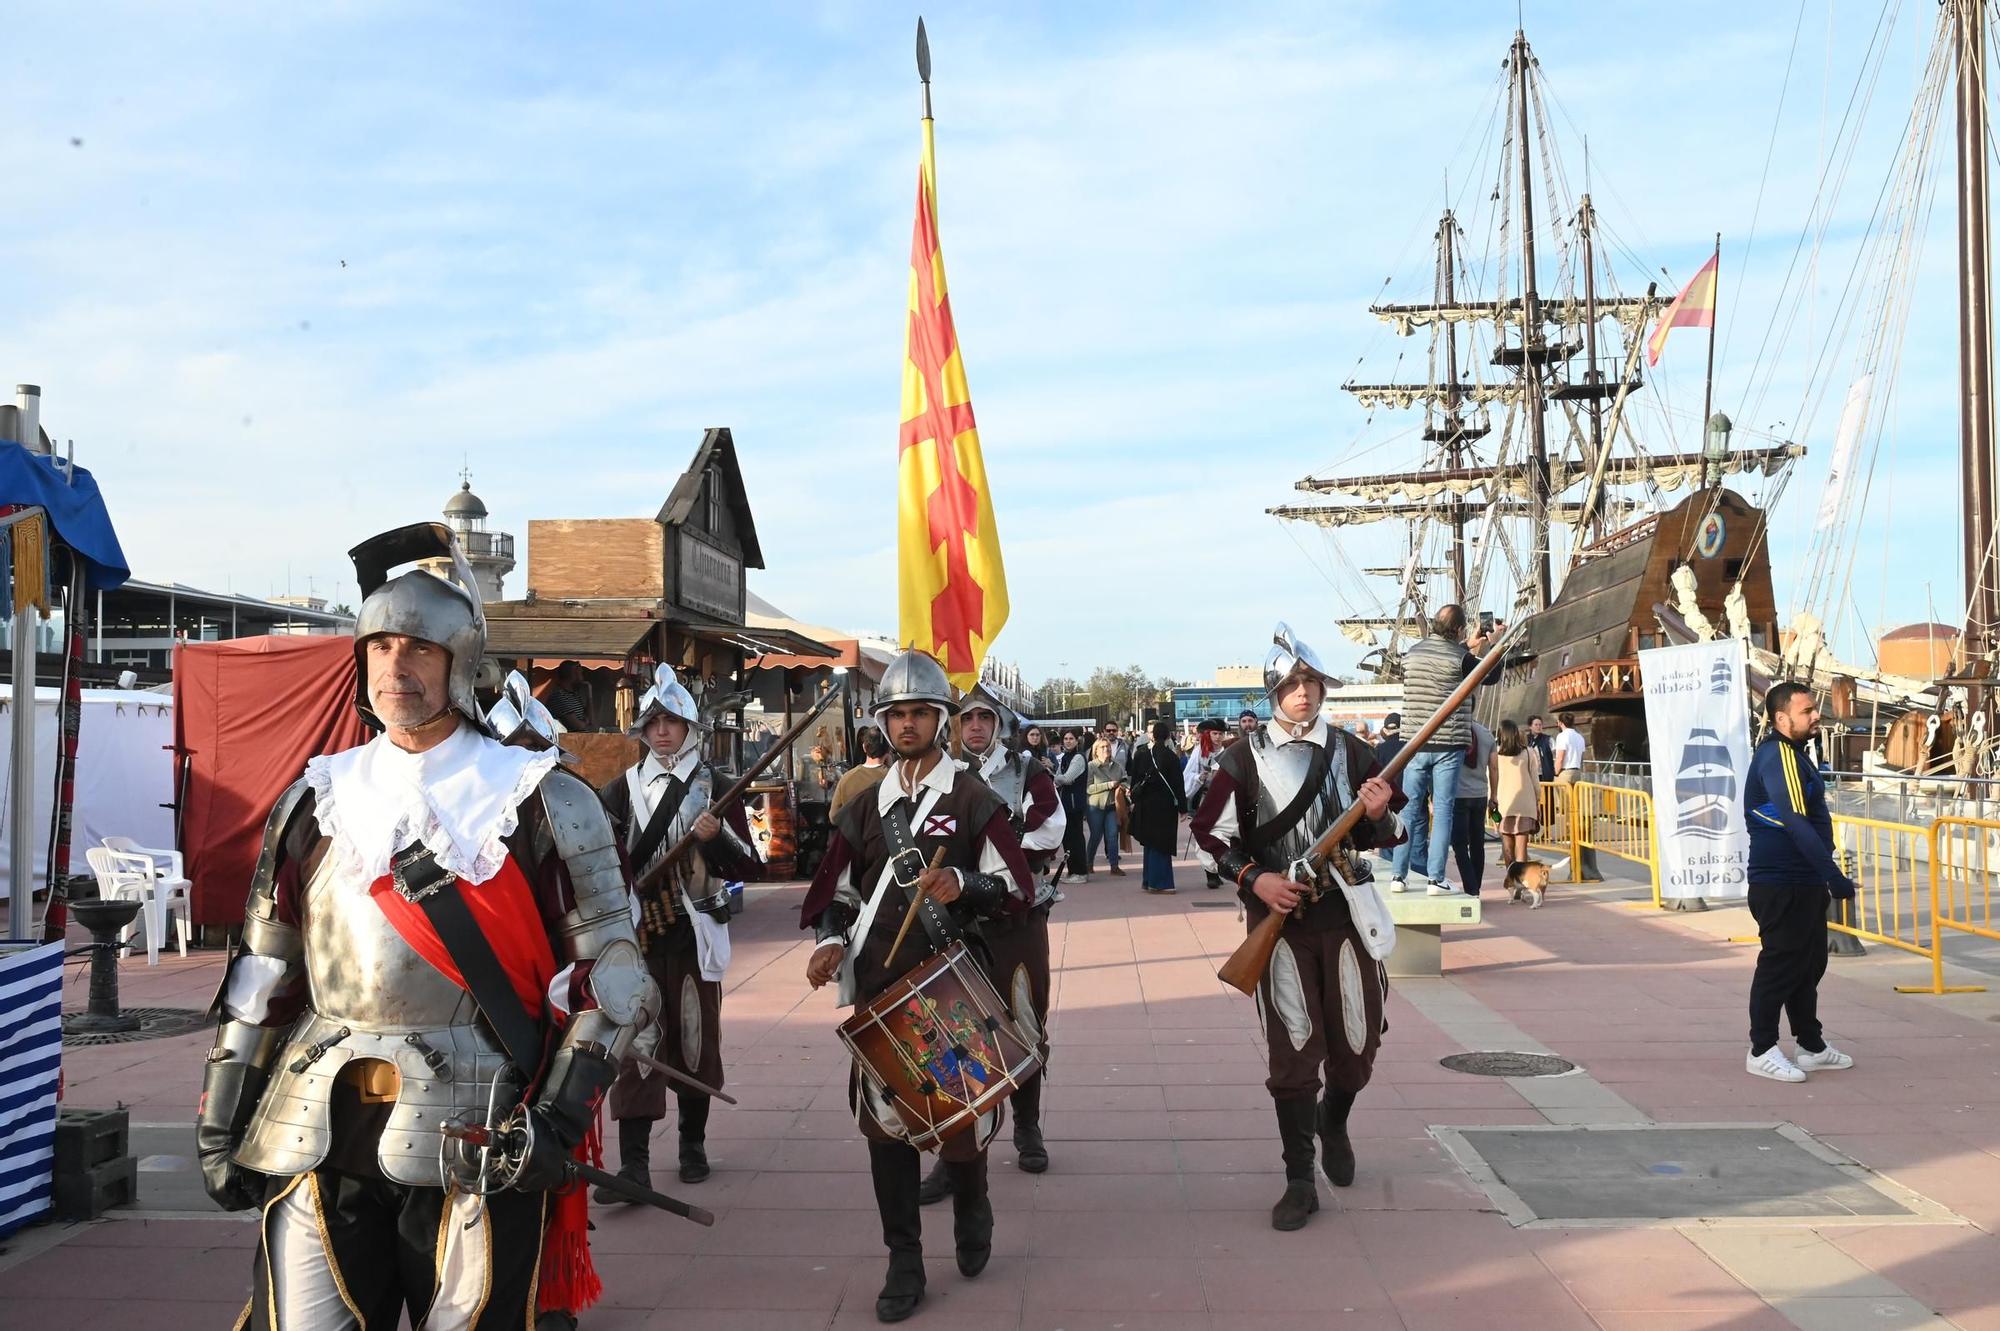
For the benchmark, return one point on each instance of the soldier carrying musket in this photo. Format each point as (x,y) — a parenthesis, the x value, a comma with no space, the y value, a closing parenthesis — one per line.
(1272,795)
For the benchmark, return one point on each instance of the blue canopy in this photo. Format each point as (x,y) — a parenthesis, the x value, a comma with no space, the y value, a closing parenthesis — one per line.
(76,510)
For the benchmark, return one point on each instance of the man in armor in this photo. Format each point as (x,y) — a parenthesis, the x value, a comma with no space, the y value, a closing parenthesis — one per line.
(437,928)
(1272,795)
(925,809)
(1017,943)
(684,924)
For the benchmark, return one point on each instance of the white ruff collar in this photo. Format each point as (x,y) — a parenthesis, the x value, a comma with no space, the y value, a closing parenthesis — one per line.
(459,798)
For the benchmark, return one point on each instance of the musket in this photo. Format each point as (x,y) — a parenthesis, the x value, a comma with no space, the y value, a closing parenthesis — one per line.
(480,1137)
(658,872)
(1252,957)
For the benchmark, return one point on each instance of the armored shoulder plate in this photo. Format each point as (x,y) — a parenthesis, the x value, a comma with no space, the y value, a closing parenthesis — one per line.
(581,833)
(263,934)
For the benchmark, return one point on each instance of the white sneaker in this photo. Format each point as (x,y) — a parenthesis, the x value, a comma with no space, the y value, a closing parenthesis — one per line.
(1772,1063)
(1398,885)
(1076,878)
(1828,1059)
(1439,888)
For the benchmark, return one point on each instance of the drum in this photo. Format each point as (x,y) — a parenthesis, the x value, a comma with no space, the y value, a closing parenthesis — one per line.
(939,1046)
(773,827)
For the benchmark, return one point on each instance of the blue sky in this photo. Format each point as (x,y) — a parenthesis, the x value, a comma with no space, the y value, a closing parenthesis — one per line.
(574,236)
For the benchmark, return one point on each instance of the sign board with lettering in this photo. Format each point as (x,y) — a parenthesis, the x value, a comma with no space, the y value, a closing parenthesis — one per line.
(707,579)
(1698,725)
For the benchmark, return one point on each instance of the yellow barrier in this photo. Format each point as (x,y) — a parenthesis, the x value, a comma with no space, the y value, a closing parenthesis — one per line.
(1612,819)
(1965,856)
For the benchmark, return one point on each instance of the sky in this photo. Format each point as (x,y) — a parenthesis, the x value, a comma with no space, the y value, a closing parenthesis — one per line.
(282,270)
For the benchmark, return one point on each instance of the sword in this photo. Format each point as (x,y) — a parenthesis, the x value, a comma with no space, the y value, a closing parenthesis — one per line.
(479,1137)
(655,1065)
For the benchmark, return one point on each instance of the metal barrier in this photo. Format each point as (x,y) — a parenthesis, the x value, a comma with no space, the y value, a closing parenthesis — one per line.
(1617,821)
(1965,858)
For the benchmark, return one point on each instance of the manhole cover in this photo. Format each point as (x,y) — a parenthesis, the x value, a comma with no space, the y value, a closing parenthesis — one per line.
(154,1023)
(1505,1064)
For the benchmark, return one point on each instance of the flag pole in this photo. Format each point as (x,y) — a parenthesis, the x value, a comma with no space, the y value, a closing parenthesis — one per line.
(924,64)
(1714,315)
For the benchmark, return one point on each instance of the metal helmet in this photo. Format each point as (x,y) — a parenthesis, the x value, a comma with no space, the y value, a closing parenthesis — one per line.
(420,604)
(519,718)
(1005,719)
(1290,656)
(915,676)
(668,697)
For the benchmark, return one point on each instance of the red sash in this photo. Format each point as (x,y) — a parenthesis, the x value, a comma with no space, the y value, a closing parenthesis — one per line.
(505,910)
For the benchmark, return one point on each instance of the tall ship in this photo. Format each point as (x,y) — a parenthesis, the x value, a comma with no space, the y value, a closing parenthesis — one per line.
(1548,483)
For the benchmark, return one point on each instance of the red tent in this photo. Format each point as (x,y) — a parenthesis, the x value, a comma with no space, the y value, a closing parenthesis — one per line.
(247,715)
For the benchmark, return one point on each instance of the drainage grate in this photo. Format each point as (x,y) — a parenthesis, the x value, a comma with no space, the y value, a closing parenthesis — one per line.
(155,1023)
(1502,1063)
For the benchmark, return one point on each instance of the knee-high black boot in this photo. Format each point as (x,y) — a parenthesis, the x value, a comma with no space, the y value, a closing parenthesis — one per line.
(971,1214)
(694,1136)
(635,1157)
(1336,1151)
(894,1167)
(1295,1136)
(1031,1153)
(937,1184)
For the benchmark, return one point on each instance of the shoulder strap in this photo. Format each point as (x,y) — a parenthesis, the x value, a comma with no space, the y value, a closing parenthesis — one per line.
(1257,838)
(419,877)
(656,827)
(903,850)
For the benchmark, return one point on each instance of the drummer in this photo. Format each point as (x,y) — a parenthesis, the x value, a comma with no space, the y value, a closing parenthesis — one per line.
(856,905)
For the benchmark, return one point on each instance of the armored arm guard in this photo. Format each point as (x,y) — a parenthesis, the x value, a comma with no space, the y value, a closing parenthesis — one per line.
(597,934)
(834,923)
(270,960)
(984,893)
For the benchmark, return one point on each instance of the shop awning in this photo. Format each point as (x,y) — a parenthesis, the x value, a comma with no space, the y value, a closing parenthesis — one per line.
(570,638)
(757,641)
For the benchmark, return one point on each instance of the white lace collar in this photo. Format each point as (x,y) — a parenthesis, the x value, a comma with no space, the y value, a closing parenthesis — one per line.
(460,798)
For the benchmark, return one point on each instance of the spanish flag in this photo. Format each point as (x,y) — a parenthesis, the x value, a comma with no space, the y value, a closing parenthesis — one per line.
(953,589)
(1693,308)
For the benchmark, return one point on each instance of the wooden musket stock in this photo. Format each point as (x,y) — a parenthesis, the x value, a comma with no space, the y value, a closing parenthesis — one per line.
(1252,957)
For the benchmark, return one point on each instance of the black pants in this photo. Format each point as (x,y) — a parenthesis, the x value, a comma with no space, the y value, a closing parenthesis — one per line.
(1468,842)
(1073,844)
(1791,922)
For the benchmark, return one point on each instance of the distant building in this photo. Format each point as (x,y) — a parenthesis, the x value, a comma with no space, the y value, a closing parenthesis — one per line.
(490,553)
(1921,651)
(1238,677)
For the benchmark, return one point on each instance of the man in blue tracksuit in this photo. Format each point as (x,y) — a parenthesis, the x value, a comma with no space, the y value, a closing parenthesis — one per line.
(1792,875)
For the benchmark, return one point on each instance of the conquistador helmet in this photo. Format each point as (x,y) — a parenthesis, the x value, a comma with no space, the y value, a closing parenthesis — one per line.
(420,604)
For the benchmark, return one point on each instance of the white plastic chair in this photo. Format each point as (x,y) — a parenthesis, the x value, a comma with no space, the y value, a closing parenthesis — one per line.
(133,877)
(172,889)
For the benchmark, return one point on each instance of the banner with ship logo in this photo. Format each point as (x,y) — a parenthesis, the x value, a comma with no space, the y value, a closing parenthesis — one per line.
(1698,726)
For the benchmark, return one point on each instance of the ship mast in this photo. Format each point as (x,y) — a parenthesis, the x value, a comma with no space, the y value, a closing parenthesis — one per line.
(1975,341)
(1593,376)
(1531,336)
(1454,424)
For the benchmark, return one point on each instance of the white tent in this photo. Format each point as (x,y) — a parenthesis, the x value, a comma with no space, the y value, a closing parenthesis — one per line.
(124,773)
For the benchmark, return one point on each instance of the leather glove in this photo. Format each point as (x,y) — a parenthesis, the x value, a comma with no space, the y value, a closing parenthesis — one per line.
(578,1077)
(230,1090)
(1842,889)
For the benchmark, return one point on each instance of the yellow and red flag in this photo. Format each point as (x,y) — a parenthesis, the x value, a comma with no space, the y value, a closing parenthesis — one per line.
(1693,308)
(953,589)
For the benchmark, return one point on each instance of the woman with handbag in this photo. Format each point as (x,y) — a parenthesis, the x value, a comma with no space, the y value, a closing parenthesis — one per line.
(1159,800)
(1107,783)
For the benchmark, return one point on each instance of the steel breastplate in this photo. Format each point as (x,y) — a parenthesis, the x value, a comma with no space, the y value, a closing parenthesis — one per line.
(371,996)
(1010,782)
(1282,771)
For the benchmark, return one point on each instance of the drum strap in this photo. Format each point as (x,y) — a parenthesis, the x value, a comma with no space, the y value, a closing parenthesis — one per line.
(908,864)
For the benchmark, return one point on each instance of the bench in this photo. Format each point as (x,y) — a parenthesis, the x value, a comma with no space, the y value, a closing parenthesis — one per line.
(1420,923)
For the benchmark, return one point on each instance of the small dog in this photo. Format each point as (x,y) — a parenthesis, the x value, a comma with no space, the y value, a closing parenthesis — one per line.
(1527,878)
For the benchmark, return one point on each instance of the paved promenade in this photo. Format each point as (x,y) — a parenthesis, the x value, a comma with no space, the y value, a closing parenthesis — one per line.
(1154,1214)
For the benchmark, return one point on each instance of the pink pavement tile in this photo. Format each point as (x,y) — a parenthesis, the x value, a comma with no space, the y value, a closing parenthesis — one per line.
(1098,1319)
(994,1292)
(1276,1285)
(763,1282)
(1091,1234)
(1637,1269)
(637,1280)
(1106,1124)
(1071,1156)
(1108,1192)
(1139,1285)
(1950,1268)
(1750,1315)
(779,1190)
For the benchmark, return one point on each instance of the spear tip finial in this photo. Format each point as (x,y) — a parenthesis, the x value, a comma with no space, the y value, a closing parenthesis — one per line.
(923,52)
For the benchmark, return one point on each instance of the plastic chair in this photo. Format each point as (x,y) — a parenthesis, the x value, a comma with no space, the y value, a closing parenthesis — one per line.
(171,887)
(132,877)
